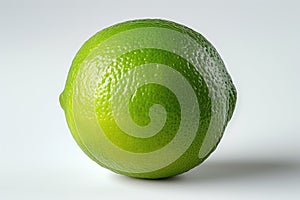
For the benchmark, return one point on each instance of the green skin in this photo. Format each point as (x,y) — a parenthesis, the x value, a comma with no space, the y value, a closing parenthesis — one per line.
(147,95)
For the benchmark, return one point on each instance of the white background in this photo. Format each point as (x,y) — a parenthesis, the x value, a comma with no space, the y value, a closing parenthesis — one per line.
(259,156)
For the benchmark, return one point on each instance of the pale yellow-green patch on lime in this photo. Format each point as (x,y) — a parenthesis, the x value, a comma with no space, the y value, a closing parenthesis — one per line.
(148,98)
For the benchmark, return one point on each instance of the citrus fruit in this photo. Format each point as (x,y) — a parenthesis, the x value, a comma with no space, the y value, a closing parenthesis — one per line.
(148,98)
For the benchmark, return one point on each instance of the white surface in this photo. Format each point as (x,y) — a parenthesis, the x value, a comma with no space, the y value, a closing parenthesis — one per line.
(259,155)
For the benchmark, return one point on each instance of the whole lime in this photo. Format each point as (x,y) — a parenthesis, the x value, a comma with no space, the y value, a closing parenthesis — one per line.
(148,98)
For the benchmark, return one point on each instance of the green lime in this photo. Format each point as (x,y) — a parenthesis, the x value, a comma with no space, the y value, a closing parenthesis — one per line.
(148,98)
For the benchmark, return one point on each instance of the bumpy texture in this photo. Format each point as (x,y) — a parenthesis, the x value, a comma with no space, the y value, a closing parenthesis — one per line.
(148,98)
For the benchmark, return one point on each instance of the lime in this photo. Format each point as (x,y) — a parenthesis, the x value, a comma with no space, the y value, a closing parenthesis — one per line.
(148,98)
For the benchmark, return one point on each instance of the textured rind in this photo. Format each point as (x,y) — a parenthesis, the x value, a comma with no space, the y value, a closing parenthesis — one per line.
(189,158)
(150,95)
